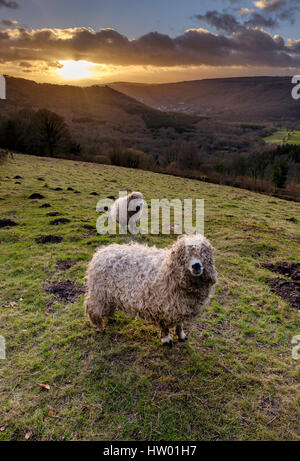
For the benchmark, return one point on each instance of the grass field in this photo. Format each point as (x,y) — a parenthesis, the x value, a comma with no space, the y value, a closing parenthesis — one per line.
(235,379)
(284,137)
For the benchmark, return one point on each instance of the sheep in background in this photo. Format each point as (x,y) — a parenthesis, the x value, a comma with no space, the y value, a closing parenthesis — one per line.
(127,210)
(167,287)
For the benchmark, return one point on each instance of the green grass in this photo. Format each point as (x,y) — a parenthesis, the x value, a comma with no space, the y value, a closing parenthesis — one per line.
(284,137)
(234,380)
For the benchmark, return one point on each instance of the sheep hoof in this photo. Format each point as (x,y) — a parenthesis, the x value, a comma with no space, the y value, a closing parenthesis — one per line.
(183,340)
(168,343)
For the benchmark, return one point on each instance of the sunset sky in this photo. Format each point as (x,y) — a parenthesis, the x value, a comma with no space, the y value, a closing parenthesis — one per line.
(99,41)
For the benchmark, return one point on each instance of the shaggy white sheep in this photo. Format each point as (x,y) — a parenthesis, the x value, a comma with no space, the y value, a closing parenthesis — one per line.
(127,210)
(164,286)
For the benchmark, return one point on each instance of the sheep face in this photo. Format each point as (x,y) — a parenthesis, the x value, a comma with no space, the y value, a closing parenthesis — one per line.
(192,260)
(135,202)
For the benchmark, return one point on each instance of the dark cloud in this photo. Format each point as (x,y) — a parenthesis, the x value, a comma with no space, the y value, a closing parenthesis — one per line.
(282,9)
(229,24)
(257,20)
(8,23)
(221,21)
(8,4)
(246,47)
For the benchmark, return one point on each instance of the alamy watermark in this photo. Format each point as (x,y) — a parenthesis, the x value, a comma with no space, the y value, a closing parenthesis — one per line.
(2,348)
(296,348)
(296,89)
(158,216)
(2,87)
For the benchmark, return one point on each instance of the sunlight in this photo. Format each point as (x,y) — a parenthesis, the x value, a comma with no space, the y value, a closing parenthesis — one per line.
(75,70)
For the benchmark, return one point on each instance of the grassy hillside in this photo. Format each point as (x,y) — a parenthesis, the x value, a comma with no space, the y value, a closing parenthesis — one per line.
(284,137)
(247,99)
(234,379)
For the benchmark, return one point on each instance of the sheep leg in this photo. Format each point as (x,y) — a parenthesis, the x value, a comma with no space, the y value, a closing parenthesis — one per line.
(97,322)
(95,317)
(182,337)
(165,337)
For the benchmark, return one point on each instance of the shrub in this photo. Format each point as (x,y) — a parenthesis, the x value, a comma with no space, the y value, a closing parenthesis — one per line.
(3,156)
(101,159)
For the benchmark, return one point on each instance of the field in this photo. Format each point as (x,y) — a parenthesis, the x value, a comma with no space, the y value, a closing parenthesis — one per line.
(284,137)
(235,379)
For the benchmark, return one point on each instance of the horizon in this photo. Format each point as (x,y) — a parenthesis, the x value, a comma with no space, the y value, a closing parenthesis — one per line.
(92,43)
(77,84)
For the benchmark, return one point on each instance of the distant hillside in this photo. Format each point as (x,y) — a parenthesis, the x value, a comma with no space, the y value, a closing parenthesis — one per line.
(97,113)
(101,102)
(100,115)
(248,99)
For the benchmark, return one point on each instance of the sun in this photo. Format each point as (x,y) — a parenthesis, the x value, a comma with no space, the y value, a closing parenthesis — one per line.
(75,70)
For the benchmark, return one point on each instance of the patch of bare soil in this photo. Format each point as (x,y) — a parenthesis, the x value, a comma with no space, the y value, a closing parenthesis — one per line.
(45,205)
(89,227)
(64,290)
(55,222)
(36,196)
(7,223)
(289,290)
(53,213)
(49,239)
(291,270)
(66,264)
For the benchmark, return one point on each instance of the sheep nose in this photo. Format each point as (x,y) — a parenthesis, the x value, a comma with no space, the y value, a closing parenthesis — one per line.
(197,268)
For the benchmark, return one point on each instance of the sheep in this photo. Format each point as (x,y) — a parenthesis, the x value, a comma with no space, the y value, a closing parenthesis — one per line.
(166,287)
(126,211)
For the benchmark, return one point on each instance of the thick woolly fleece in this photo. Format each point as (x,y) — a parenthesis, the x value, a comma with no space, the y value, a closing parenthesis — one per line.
(127,209)
(155,284)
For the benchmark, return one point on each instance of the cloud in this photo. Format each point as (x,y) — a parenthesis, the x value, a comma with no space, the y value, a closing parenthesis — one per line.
(8,4)
(245,47)
(283,10)
(229,24)
(270,5)
(243,11)
(257,20)
(221,21)
(8,23)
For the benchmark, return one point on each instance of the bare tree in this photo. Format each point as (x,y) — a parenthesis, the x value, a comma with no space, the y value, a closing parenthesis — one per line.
(52,130)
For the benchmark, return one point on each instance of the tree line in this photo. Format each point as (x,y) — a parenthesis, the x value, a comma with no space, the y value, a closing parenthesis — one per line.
(262,168)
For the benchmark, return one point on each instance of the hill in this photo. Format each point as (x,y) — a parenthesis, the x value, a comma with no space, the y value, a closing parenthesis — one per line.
(96,114)
(100,115)
(235,379)
(246,99)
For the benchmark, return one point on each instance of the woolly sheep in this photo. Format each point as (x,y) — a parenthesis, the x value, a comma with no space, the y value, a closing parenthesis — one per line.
(127,210)
(167,287)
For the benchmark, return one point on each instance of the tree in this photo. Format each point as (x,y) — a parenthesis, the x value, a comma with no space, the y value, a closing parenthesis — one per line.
(52,130)
(188,156)
(280,174)
(258,165)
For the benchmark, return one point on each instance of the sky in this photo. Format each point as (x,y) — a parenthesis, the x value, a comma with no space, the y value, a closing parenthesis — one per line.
(148,41)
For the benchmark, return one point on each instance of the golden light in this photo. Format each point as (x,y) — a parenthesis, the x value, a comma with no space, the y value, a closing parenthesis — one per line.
(75,70)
